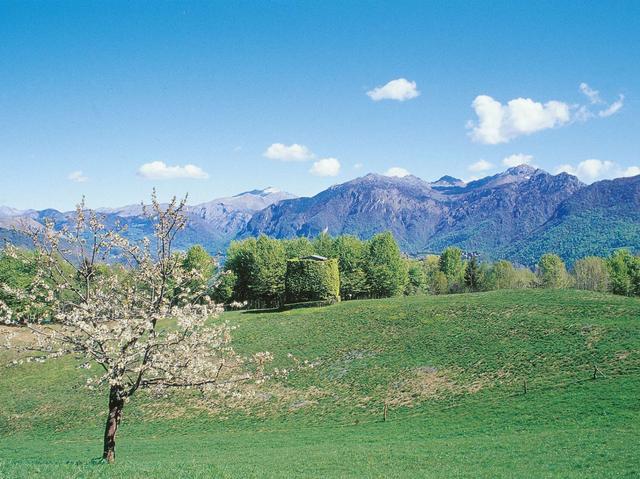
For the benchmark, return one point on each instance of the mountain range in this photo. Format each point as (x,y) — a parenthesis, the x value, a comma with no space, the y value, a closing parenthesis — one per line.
(518,214)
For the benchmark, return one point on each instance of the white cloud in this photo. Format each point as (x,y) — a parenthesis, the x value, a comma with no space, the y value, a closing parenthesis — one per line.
(294,152)
(481,165)
(159,170)
(358,166)
(400,89)
(590,93)
(397,172)
(325,167)
(593,170)
(77,176)
(613,108)
(517,159)
(588,170)
(498,123)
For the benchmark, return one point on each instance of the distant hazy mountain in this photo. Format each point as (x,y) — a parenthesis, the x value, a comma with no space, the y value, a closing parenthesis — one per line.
(213,224)
(6,211)
(518,214)
(229,215)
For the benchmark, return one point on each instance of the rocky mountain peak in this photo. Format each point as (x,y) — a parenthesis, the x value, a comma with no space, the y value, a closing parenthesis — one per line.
(521,170)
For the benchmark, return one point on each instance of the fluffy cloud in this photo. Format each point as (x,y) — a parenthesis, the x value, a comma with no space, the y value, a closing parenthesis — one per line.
(77,176)
(482,165)
(294,152)
(358,166)
(399,90)
(593,170)
(325,167)
(498,123)
(397,171)
(588,170)
(517,159)
(159,170)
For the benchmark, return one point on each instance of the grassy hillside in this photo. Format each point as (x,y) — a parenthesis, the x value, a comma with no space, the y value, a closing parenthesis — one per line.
(452,370)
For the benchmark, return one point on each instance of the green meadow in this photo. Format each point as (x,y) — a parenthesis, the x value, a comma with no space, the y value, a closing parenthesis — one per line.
(531,383)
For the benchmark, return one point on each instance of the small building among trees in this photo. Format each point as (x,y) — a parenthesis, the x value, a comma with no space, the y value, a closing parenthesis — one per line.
(312,278)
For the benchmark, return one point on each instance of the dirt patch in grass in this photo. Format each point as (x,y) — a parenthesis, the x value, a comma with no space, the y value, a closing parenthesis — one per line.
(592,334)
(622,355)
(429,383)
(258,400)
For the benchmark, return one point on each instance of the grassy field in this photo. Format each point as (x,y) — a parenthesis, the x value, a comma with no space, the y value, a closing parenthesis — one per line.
(452,370)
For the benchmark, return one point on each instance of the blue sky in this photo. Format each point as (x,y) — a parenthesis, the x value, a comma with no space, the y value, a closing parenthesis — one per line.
(110,99)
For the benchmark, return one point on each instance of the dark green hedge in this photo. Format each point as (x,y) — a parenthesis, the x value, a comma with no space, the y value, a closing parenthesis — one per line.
(311,280)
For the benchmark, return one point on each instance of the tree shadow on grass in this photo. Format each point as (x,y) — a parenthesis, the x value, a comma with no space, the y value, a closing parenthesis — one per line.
(263,311)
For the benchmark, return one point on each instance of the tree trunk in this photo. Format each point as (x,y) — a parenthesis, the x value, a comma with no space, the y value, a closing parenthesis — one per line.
(116,404)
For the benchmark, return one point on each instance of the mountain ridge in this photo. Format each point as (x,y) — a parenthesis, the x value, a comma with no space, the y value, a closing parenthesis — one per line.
(517,214)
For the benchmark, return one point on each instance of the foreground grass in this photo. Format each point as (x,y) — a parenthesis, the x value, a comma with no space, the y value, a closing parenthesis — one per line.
(452,370)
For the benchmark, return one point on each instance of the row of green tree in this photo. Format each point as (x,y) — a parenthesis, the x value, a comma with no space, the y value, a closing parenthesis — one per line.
(255,271)
(450,273)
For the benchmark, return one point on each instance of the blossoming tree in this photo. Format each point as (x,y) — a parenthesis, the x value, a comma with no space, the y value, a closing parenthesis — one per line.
(139,321)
